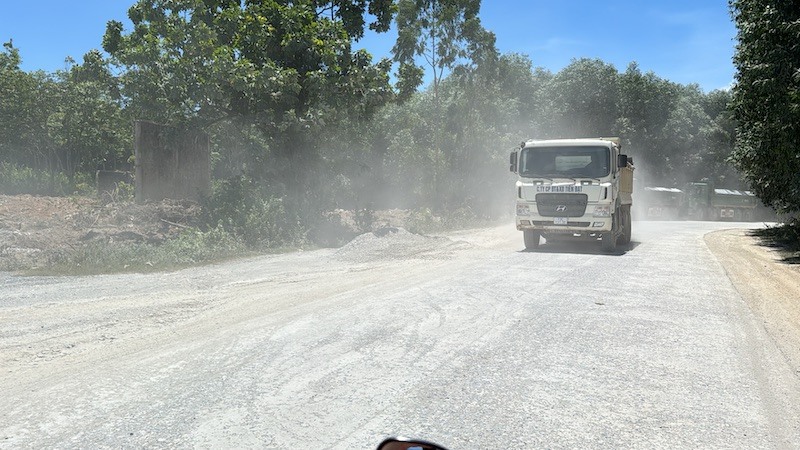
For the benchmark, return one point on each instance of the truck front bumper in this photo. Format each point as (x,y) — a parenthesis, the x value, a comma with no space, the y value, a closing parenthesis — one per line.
(579,225)
(591,222)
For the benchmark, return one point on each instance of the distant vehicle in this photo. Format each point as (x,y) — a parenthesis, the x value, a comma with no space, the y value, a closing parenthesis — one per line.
(704,202)
(698,201)
(573,189)
(662,203)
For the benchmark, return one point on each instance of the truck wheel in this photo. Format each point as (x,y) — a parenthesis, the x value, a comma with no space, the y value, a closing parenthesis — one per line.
(608,241)
(531,239)
(625,238)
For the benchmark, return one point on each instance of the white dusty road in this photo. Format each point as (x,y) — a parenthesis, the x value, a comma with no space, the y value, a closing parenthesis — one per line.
(464,339)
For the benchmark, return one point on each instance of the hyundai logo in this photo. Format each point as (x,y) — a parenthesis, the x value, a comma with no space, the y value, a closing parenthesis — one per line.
(561,208)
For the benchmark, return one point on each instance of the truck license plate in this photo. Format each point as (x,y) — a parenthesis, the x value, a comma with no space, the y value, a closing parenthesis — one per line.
(559,221)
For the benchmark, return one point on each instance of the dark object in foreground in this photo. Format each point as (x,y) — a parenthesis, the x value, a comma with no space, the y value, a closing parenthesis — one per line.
(401,443)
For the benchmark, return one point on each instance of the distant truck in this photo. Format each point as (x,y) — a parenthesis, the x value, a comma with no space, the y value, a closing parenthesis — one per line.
(661,203)
(704,202)
(573,189)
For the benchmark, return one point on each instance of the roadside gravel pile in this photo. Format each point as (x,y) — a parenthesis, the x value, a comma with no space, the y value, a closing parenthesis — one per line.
(393,243)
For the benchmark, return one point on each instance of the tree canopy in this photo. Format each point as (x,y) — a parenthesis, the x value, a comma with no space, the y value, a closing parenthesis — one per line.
(279,64)
(446,34)
(766,99)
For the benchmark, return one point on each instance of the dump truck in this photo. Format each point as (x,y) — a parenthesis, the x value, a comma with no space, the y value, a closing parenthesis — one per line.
(661,203)
(573,189)
(702,201)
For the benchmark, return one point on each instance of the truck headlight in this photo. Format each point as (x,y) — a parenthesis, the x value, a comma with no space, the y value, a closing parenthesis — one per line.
(523,210)
(602,211)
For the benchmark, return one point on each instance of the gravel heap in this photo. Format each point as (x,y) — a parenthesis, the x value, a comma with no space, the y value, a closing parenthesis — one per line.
(397,243)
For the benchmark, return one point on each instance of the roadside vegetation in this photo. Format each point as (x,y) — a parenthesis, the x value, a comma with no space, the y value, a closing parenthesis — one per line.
(784,237)
(766,106)
(193,247)
(303,123)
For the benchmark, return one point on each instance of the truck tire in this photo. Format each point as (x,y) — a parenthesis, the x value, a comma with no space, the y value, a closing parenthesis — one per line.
(531,239)
(608,241)
(625,238)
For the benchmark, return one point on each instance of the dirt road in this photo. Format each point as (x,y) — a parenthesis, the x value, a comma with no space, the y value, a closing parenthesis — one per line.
(770,286)
(463,339)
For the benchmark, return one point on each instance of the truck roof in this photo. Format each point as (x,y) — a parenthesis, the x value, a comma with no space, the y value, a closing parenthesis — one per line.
(603,142)
(662,189)
(733,192)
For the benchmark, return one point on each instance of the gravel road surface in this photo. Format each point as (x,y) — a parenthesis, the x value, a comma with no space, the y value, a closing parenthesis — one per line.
(463,339)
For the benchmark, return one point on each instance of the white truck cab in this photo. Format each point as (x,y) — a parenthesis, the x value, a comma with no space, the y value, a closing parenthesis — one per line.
(573,189)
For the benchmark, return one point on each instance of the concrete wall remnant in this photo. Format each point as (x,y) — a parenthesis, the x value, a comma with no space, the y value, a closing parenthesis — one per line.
(171,162)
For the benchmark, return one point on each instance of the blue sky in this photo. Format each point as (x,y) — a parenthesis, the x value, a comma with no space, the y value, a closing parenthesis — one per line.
(685,41)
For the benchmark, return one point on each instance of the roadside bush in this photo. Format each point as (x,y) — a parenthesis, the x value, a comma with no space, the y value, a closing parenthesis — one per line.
(190,248)
(16,179)
(331,230)
(250,213)
(785,236)
(423,221)
(122,192)
(462,217)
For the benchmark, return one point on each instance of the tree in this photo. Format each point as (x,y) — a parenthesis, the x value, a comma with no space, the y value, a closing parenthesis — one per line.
(721,138)
(286,66)
(447,34)
(683,148)
(766,99)
(88,125)
(645,104)
(584,98)
(26,101)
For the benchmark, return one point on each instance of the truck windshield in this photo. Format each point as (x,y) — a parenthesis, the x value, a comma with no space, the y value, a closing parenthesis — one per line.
(567,162)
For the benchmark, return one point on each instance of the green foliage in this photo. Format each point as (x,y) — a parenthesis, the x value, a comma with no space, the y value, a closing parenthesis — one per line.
(423,221)
(26,101)
(285,70)
(191,248)
(16,179)
(785,237)
(583,100)
(285,66)
(449,152)
(248,212)
(63,123)
(766,99)
(88,126)
(122,192)
(447,34)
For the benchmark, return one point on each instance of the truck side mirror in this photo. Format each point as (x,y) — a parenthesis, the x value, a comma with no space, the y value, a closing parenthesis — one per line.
(513,162)
(622,161)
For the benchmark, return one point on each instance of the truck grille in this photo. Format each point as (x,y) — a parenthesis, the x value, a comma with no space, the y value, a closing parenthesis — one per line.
(561,205)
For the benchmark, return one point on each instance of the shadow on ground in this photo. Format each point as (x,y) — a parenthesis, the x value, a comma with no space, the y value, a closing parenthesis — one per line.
(581,248)
(785,238)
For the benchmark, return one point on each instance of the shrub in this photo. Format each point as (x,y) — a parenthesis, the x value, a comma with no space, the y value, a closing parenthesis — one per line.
(16,179)
(249,212)
(422,221)
(190,248)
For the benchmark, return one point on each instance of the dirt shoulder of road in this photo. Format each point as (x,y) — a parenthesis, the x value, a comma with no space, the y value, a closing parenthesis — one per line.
(769,285)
